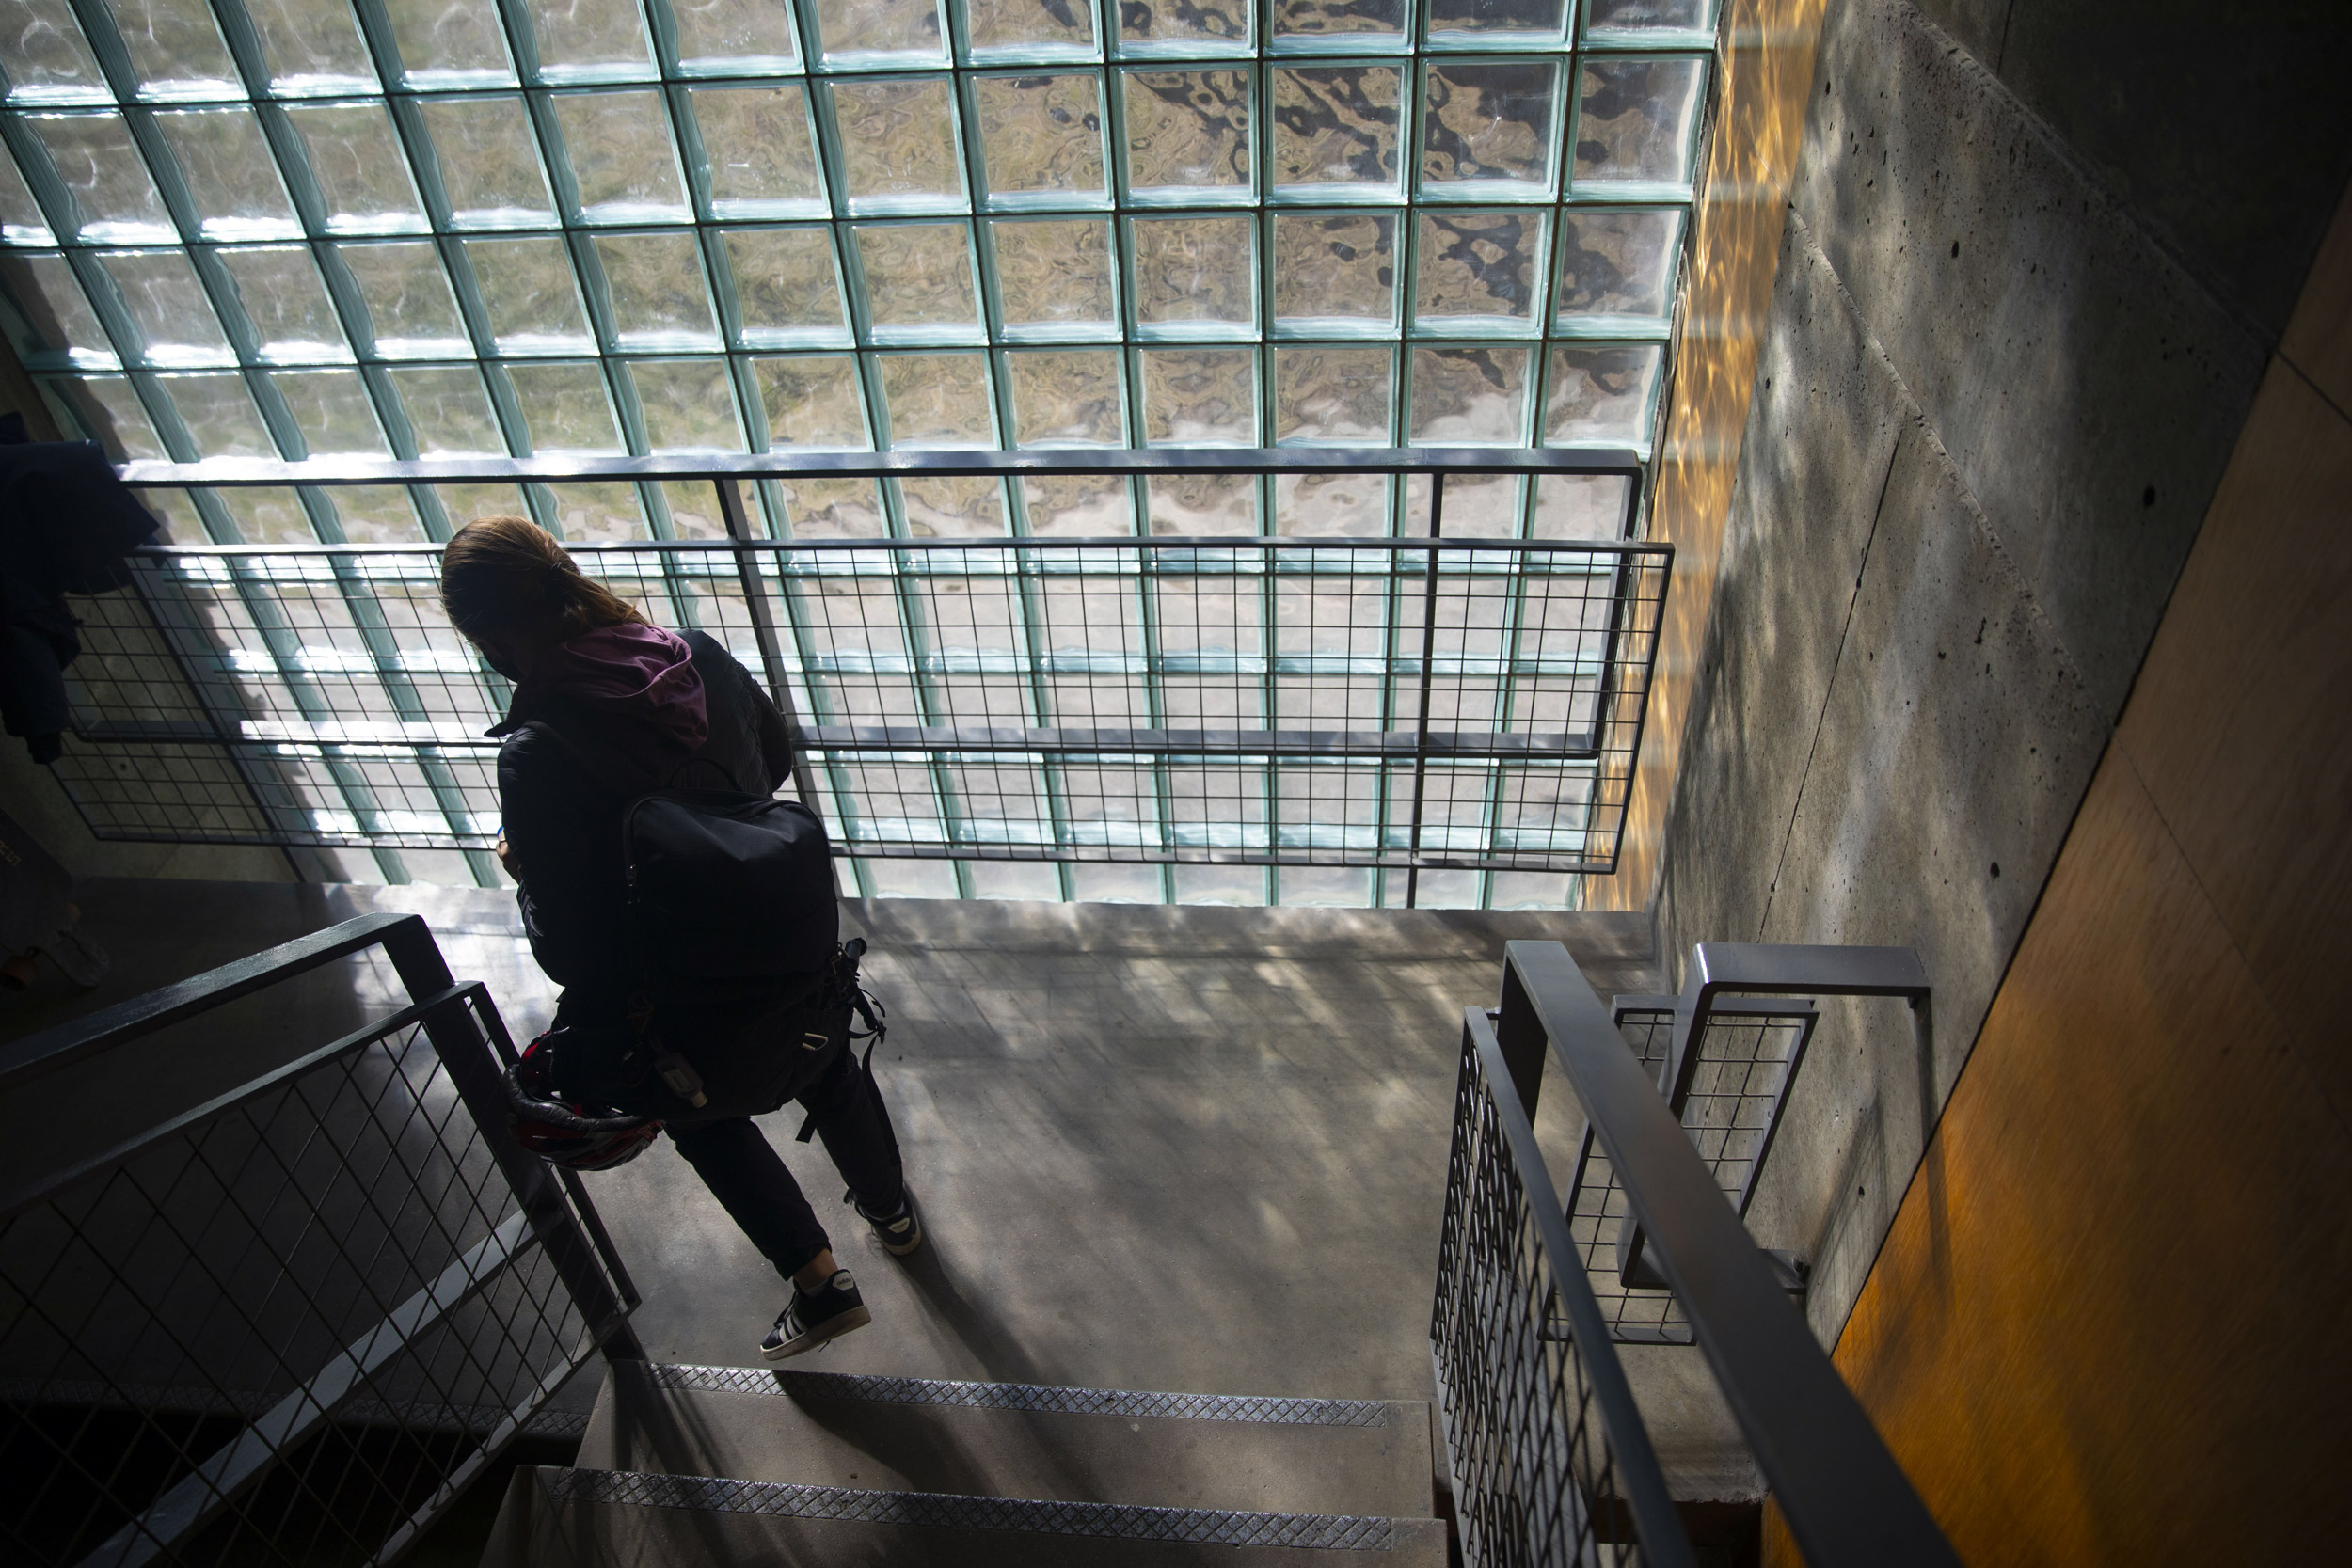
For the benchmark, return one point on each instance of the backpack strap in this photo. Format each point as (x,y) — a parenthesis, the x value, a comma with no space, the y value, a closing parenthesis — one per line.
(620,781)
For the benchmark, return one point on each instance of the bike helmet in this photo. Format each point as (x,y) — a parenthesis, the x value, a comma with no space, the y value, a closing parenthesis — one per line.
(562,1134)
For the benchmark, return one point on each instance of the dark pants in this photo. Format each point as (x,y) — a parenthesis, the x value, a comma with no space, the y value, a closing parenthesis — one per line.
(742,1171)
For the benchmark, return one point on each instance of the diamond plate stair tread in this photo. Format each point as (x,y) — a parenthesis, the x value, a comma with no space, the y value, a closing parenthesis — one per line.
(1365,1457)
(555,1518)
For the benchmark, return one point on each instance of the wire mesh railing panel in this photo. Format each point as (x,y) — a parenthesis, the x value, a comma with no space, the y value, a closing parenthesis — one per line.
(285,1329)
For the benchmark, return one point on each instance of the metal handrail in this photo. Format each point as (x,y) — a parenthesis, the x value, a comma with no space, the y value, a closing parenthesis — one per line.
(1847,1501)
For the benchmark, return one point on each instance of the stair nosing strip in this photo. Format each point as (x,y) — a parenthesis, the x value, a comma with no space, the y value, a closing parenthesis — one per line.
(944,1509)
(1272,1410)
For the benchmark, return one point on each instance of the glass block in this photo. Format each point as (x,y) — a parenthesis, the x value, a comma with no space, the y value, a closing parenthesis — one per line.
(1532,889)
(1078,506)
(1324,393)
(1035,881)
(1477,506)
(489,162)
(759,160)
(833,509)
(1335,128)
(1479,272)
(753,36)
(1305,19)
(1200,397)
(49,61)
(168,305)
(114,199)
(176,49)
(1581,506)
(900,878)
(1053,276)
(1632,18)
(1040,134)
(1335,268)
(1469,396)
(591,41)
(695,514)
(898,144)
(377,514)
(181,524)
(689,404)
(1026,25)
(1195,274)
(1500,21)
(1202,503)
(1339,506)
(788,287)
(1637,121)
(108,408)
(813,401)
(623,166)
(1602,392)
(449,43)
(1066,397)
(409,304)
(362,174)
(219,414)
(1490,125)
(659,297)
(1329,887)
(1187,132)
(938,400)
(919,278)
(863,29)
(21,219)
(312,49)
(566,408)
(268,517)
(1111,882)
(466,503)
(334,413)
(56,317)
(1186,21)
(531,295)
(1617,266)
(599,513)
(953,507)
(230,174)
(449,413)
(294,322)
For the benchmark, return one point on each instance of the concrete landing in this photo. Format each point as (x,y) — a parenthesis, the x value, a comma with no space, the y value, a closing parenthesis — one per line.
(1007,1440)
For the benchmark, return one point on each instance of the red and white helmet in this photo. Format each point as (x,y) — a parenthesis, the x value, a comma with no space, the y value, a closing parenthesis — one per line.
(562,1134)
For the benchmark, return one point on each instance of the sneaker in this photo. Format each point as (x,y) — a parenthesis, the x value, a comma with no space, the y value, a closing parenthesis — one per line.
(901,1231)
(815,1316)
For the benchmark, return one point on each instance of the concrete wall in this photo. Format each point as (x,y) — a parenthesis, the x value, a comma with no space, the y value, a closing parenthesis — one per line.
(2010,348)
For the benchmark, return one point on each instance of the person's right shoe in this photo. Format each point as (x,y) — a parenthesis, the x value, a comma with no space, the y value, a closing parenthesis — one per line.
(901,1231)
(815,1316)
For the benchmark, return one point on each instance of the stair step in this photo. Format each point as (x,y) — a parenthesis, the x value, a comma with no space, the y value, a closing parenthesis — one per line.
(587,1518)
(1258,1455)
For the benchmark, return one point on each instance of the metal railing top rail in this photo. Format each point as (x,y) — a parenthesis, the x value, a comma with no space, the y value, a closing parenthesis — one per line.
(1174,543)
(1847,1501)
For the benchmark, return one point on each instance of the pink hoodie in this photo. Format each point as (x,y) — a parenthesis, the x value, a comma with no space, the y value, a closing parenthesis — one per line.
(640,679)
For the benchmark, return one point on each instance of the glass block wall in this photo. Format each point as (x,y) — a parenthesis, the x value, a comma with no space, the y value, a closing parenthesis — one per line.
(309,227)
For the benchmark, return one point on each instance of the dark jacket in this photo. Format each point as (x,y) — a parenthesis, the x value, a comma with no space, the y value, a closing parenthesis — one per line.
(563,827)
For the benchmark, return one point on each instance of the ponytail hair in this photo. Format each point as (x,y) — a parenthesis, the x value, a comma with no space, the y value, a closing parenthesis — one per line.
(504,579)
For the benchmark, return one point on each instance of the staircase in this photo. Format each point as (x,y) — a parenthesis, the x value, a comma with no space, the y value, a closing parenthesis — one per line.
(691,1466)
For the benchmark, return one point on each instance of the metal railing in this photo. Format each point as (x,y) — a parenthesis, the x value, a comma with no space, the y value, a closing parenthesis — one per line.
(1359,683)
(1518,1441)
(290,1325)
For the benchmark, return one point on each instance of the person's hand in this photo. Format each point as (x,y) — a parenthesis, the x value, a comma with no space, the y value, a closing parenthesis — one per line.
(505,862)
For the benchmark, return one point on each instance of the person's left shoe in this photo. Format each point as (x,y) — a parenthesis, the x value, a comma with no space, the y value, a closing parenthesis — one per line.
(815,1316)
(901,1231)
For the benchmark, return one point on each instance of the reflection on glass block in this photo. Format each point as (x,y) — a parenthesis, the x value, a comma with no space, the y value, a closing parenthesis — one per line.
(1489,122)
(566,408)
(1066,397)
(1444,890)
(466,503)
(1312,17)
(219,415)
(332,410)
(591,41)
(55,317)
(49,60)
(695,514)
(1602,392)
(623,164)
(530,295)
(449,413)
(312,49)
(1108,882)
(294,322)
(1200,397)
(1203,504)
(168,305)
(230,176)
(376,514)
(181,523)
(1054,274)
(361,173)
(1477,506)
(1078,506)
(268,517)
(1335,267)
(1336,125)
(108,409)
(600,512)
(937,400)
(1040,133)
(887,878)
(1637,121)
(1469,396)
(918,275)
(1479,272)
(20,220)
(1035,880)
(1185,21)
(1532,889)
(1195,271)
(832,508)
(854,28)
(761,162)
(176,49)
(1332,394)
(898,144)
(1241,886)
(99,166)
(658,295)
(1015,25)
(1607,18)
(953,508)
(410,306)
(449,43)
(1345,506)
(1581,506)
(1619,263)
(1188,130)
(787,286)
(715,36)
(1499,18)
(490,164)
(689,404)
(813,401)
